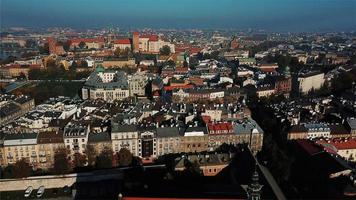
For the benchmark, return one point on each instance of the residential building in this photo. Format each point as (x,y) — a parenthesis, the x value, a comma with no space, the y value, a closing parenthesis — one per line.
(75,137)
(125,136)
(48,143)
(310,80)
(21,146)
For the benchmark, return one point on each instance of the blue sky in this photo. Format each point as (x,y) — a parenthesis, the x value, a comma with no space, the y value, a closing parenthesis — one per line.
(272,15)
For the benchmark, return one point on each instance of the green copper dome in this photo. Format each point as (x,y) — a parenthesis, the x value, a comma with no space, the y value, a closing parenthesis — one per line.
(100,68)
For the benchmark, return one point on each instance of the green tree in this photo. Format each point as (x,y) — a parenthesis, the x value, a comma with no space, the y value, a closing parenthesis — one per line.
(44,49)
(82,45)
(8,172)
(165,50)
(61,161)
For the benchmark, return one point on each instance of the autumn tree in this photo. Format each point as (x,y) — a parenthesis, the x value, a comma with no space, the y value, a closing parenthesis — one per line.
(22,169)
(117,52)
(79,160)
(61,161)
(124,157)
(91,154)
(165,50)
(81,45)
(105,158)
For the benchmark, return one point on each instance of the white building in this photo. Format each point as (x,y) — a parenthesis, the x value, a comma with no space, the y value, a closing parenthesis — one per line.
(76,137)
(311,80)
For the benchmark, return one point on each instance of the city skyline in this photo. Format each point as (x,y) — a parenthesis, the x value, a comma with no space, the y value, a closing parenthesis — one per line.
(277,15)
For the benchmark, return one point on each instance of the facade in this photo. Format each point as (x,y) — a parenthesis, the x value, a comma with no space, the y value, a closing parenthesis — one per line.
(90,43)
(137,84)
(108,85)
(297,132)
(99,141)
(168,140)
(195,140)
(75,137)
(265,91)
(122,44)
(124,136)
(147,142)
(21,146)
(48,143)
(317,130)
(310,80)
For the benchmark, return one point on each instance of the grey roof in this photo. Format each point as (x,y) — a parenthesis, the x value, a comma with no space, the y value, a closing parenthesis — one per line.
(168,132)
(120,81)
(246,126)
(99,137)
(352,123)
(117,128)
(20,136)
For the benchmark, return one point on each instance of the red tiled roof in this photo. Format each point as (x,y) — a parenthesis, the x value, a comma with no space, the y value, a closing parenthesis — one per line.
(341,144)
(226,126)
(150,37)
(170,88)
(310,147)
(122,41)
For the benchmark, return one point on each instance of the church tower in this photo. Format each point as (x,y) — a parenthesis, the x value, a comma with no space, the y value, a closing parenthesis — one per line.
(254,190)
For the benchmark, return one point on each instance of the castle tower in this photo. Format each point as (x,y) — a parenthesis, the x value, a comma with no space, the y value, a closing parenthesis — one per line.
(135,41)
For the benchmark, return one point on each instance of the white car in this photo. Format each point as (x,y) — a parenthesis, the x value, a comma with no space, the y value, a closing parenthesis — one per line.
(40,191)
(28,191)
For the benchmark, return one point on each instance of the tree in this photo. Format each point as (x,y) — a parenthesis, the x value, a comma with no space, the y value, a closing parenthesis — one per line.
(124,157)
(44,49)
(22,169)
(165,50)
(84,63)
(61,161)
(81,45)
(91,154)
(105,158)
(8,172)
(79,160)
(117,52)
(30,43)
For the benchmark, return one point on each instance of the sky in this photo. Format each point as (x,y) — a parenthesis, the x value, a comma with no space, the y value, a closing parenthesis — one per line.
(270,15)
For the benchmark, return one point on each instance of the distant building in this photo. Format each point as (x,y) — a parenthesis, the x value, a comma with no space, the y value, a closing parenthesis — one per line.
(297,132)
(317,130)
(13,107)
(150,43)
(137,84)
(310,80)
(209,164)
(108,85)
(89,43)
(122,44)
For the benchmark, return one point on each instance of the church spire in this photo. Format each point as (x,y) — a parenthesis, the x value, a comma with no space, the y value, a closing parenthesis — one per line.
(254,189)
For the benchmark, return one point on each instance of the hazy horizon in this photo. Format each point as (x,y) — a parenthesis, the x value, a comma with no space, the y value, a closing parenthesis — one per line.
(270,15)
